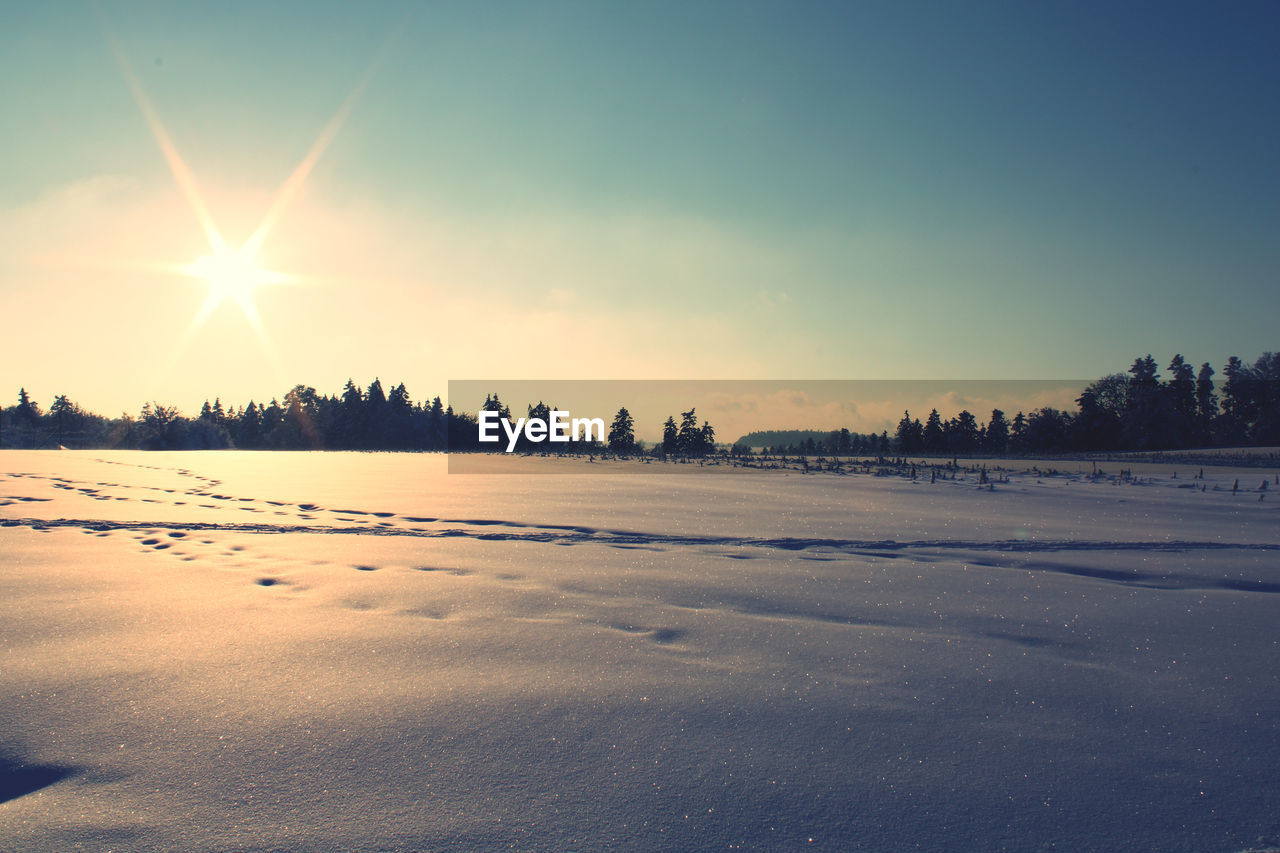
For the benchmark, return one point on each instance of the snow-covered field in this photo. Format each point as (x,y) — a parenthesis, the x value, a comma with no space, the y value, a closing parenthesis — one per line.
(239,651)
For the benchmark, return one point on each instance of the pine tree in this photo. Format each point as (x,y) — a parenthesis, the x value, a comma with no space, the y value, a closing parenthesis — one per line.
(375,397)
(689,440)
(963,437)
(910,434)
(1206,404)
(399,418)
(271,418)
(1047,431)
(249,429)
(436,435)
(622,435)
(706,439)
(1265,386)
(1150,422)
(27,412)
(162,427)
(1018,433)
(493,404)
(298,422)
(542,412)
(1094,428)
(62,411)
(350,417)
(933,435)
(670,436)
(375,414)
(1181,390)
(1145,373)
(997,437)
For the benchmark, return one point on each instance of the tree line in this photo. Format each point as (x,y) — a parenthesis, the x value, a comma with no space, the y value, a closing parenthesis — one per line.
(812,442)
(1137,410)
(356,419)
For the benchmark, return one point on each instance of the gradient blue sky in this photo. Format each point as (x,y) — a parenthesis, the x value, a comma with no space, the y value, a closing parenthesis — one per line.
(647,190)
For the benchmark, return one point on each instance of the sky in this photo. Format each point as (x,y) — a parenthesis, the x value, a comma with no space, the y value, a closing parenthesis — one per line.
(706,190)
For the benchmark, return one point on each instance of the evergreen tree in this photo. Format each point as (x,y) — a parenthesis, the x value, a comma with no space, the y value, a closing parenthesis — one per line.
(962,437)
(161,428)
(1149,423)
(461,432)
(27,412)
(933,435)
(706,439)
(689,440)
(1181,393)
(1018,433)
(436,435)
(298,428)
(1236,403)
(622,435)
(399,418)
(375,397)
(375,416)
(271,418)
(350,418)
(491,404)
(1094,428)
(845,443)
(997,438)
(61,411)
(1206,404)
(670,436)
(1145,374)
(1047,431)
(249,429)
(910,434)
(1182,386)
(1265,386)
(542,411)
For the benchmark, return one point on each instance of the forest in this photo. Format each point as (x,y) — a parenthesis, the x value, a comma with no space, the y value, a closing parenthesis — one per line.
(1136,410)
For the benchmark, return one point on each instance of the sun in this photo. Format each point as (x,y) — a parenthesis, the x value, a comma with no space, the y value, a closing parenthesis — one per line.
(231,275)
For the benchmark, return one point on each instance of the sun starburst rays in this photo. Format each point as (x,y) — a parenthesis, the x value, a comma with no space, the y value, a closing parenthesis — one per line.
(182,175)
(233,274)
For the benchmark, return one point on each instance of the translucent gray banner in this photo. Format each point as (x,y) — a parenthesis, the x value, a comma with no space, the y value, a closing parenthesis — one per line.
(510,426)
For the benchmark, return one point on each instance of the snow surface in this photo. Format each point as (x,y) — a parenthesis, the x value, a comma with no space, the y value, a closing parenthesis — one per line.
(292,651)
